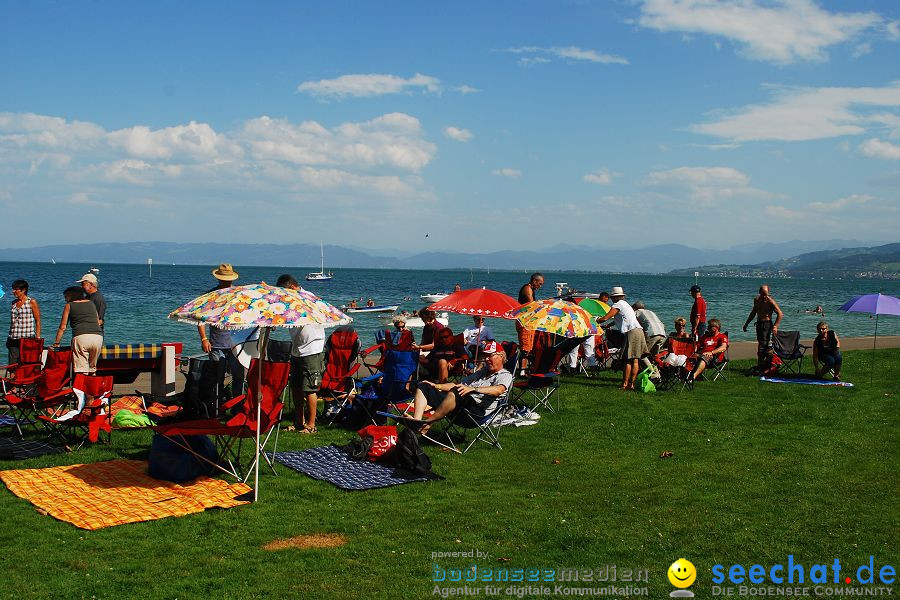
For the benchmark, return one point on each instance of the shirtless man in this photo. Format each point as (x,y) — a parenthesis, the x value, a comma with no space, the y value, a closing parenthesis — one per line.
(526,295)
(763,307)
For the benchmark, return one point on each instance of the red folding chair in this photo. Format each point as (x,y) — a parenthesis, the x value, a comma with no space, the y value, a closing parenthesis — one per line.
(341,352)
(25,397)
(231,431)
(88,411)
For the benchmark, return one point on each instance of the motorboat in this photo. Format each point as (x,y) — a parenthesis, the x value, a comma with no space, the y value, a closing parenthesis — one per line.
(320,275)
(414,320)
(384,308)
(93,270)
(432,298)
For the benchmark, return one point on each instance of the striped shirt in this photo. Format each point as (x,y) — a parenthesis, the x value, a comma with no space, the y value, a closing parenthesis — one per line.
(22,323)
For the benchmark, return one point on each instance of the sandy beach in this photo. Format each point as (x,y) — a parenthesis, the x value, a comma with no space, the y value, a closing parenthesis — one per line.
(738,350)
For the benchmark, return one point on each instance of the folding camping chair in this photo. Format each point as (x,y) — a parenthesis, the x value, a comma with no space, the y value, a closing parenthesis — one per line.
(20,378)
(542,382)
(23,402)
(89,414)
(341,352)
(231,431)
(388,388)
(787,346)
(718,368)
(674,375)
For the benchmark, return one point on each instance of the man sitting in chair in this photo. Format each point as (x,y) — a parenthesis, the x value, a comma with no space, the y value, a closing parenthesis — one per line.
(481,390)
(711,348)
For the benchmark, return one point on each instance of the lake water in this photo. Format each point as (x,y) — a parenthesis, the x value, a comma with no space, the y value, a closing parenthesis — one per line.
(138,303)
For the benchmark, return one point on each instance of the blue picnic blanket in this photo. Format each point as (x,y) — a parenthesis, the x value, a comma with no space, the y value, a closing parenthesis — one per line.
(804,381)
(330,464)
(16,449)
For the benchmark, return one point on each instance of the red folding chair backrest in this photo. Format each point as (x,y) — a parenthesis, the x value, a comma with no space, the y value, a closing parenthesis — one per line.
(30,350)
(57,373)
(403,341)
(274,379)
(684,347)
(343,348)
(97,386)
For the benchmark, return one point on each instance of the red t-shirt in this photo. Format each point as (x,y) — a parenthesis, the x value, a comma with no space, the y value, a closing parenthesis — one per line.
(699,309)
(710,342)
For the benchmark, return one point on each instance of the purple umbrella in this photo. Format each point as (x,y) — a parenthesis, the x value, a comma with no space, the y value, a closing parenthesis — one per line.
(874,304)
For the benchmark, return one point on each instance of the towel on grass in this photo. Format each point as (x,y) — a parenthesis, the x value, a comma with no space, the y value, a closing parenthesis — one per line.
(330,464)
(804,381)
(115,492)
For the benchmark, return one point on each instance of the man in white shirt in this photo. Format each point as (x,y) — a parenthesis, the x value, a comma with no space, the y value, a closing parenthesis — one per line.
(477,335)
(635,345)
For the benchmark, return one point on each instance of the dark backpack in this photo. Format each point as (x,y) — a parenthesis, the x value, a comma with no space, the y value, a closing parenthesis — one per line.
(408,457)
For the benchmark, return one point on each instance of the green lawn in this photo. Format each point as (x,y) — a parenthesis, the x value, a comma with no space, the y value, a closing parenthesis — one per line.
(759,471)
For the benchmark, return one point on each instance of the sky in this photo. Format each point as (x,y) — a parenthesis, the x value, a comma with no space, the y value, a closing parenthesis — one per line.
(469,125)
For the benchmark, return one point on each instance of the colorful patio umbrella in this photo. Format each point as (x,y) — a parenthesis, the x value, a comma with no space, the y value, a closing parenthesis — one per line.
(874,304)
(478,302)
(555,316)
(264,306)
(595,307)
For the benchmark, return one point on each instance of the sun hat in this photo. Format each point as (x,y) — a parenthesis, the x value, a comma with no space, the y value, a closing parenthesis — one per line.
(225,272)
(89,277)
(616,291)
(491,347)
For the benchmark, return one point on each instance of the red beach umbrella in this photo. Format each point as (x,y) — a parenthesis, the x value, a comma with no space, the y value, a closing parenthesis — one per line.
(478,302)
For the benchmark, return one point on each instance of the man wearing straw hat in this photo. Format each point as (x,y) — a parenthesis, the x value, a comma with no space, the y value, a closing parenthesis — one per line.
(635,345)
(218,343)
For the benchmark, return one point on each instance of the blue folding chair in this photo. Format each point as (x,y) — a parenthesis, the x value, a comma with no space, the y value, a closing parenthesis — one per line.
(391,386)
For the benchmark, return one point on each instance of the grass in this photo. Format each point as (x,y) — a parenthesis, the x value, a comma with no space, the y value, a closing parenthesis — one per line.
(759,471)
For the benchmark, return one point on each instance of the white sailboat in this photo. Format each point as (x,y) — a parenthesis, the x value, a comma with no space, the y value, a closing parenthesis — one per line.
(320,275)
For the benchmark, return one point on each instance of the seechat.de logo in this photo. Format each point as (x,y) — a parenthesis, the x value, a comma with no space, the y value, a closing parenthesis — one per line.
(682,574)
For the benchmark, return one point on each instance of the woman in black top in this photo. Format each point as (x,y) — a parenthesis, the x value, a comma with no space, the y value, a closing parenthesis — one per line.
(87,337)
(827,352)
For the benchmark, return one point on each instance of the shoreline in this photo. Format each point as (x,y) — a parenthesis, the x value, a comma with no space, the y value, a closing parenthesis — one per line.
(737,351)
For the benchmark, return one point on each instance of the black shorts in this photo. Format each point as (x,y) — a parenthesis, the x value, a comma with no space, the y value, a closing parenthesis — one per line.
(764,333)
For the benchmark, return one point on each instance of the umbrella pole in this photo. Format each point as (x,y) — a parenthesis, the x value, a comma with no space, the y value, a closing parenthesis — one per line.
(874,341)
(263,343)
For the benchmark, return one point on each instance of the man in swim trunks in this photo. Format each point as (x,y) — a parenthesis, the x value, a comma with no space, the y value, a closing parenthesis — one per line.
(763,307)
(526,295)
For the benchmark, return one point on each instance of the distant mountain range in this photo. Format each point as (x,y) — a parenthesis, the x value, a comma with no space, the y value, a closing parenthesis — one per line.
(653,259)
(879,262)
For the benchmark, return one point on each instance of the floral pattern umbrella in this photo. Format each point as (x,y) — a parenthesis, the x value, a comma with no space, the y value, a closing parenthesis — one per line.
(555,316)
(259,305)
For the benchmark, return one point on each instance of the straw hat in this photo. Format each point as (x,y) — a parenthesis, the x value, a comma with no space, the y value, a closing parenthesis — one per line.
(225,272)
(617,291)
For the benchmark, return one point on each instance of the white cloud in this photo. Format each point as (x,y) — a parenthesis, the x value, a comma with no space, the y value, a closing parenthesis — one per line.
(466,89)
(371,84)
(703,186)
(194,141)
(876,148)
(778,31)
(600,177)
(29,130)
(797,114)
(87,199)
(784,213)
(840,203)
(537,55)
(458,134)
(507,172)
(893,30)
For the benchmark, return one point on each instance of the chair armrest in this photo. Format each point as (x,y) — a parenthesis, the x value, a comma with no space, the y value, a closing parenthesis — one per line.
(233,402)
(65,392)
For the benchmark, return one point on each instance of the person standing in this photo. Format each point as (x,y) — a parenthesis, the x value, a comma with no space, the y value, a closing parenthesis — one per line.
(87,341)
(527,293)
(698,313)
(764,306)
(91,287)
(218,343)
(654,330)
(635,345)
(25,319)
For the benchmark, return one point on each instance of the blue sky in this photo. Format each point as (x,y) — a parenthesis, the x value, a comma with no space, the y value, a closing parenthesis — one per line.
(486,125)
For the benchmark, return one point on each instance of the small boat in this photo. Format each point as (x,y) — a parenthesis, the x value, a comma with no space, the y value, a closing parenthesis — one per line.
(52,262)
(371,309)
(320,275)
(432,298)
(416,321)
(93,270)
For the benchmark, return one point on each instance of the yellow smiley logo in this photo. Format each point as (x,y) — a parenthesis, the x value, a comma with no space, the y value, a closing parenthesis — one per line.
(682,573)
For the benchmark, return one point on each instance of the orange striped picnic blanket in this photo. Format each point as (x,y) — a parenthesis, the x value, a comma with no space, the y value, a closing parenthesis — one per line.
(116,492)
